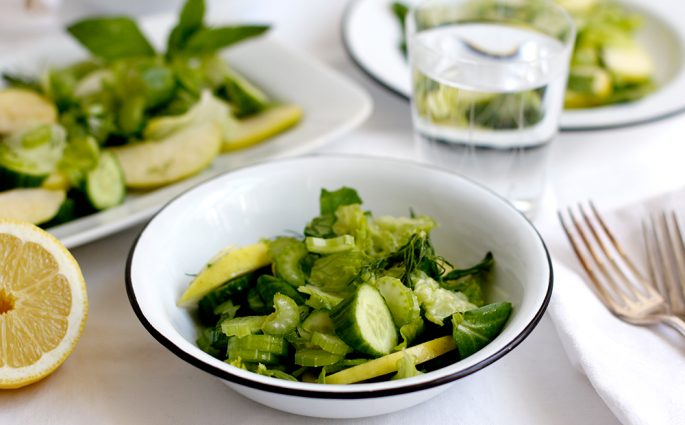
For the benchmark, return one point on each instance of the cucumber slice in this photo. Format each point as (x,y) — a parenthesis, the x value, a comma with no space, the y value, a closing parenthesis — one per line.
(155,163)
(105,186)
(28,156)
(20,108)
(261,126)
(32,205)
(365,322)
(246,98)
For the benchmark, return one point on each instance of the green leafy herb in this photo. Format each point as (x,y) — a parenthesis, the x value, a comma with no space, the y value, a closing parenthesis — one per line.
(209,40)
(112,38)
(189,22)
(475,329)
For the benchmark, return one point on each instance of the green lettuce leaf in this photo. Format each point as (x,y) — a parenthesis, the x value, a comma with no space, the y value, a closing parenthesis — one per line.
(474,329)
(437,302)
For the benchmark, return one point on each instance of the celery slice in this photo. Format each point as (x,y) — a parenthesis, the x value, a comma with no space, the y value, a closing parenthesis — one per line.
(330,246)
(315,358)
(242,326)
(331,343)
(266,343)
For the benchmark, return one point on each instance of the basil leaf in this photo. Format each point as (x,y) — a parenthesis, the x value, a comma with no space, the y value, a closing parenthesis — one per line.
(112,38)
(189,22)
(474,329)
(209,40)
(330,201)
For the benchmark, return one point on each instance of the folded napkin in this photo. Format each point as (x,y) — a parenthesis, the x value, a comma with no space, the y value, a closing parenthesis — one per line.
(638,371)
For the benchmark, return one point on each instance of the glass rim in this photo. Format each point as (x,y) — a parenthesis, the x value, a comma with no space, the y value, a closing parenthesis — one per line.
(410,24)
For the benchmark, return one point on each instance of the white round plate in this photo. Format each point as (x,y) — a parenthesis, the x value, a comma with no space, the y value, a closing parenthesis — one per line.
(372,35)
(332,104)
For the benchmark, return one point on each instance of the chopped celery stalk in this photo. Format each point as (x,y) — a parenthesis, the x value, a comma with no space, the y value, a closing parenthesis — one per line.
(344,364)
(284,319)
(242,326)
(322,376)
(315,358)
(287,265)
(252,356)
(330,246)
(401,301)
(274,373)
(266,343)
(388,364)
(320,299)
(204,343)
(277,245)
(331,343)
(319,321)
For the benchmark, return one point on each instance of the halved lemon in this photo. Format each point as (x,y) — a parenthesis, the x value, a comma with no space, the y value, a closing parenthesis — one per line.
(43,303)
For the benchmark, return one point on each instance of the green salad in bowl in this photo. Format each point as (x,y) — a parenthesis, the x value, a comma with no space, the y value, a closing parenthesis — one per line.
(608,65)
(355,298)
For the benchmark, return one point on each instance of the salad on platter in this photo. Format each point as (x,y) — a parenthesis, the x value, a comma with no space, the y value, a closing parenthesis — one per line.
(608,65)
(75,140)
(356,298)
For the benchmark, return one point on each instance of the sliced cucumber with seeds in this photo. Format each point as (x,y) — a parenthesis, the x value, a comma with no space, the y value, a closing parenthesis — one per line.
(105,185)
(27,157)
(364,322)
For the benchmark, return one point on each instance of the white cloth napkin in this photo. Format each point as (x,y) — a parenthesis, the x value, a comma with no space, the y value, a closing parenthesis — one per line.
(638,371)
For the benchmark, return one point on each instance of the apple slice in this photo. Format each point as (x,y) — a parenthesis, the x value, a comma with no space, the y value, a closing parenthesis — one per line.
(154,163)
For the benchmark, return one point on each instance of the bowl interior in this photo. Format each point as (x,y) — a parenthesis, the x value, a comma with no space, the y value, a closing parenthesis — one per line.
(280,197)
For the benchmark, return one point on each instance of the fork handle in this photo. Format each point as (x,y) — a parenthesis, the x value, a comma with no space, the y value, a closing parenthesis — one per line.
(676,323)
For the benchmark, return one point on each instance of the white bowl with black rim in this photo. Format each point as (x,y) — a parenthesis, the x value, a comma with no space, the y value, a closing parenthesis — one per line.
(272,198)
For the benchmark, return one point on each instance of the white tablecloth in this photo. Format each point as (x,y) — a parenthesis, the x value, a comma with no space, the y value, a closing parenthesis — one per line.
(119,374)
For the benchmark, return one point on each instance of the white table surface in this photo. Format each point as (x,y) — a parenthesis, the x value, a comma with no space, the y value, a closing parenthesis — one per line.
(119,374)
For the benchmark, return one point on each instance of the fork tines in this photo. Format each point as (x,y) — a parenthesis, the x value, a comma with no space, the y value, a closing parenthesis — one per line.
(666,256)
(619,283)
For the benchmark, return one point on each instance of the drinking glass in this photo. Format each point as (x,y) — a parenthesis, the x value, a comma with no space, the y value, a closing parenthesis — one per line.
(488,83)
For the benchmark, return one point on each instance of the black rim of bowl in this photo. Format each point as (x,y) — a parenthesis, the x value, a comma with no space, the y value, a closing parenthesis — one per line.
(318,393)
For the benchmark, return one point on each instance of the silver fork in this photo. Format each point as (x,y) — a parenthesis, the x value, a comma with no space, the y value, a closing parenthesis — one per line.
(618,283)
